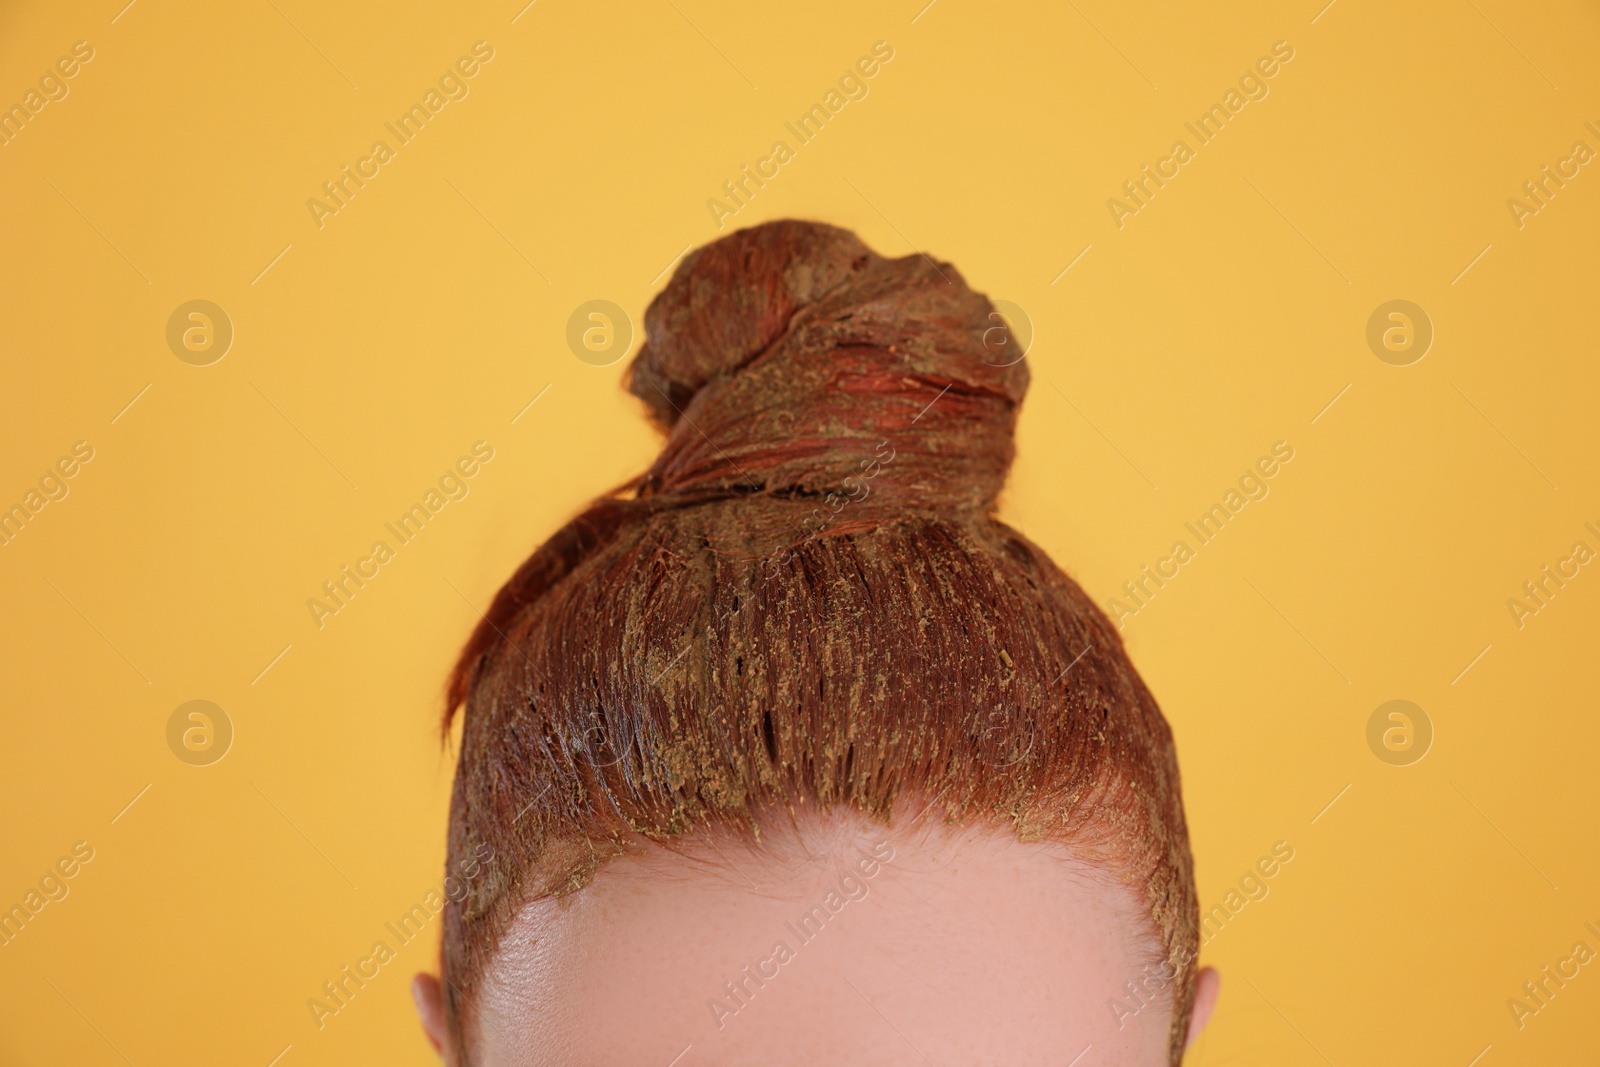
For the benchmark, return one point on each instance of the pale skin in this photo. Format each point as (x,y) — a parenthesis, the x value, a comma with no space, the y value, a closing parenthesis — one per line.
(911,946)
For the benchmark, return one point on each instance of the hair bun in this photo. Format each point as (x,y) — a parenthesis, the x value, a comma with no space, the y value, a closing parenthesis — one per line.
(789,358)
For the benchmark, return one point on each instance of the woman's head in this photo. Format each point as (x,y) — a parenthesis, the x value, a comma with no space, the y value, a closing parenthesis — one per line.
(801,637)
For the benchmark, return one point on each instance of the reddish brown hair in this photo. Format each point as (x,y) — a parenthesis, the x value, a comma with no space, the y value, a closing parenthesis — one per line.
(806,601)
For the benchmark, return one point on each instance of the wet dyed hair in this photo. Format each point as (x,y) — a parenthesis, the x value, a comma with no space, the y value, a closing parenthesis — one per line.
(805,602)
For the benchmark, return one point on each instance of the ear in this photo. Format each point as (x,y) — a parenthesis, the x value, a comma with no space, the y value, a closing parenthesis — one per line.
(429,995)
(1207,985)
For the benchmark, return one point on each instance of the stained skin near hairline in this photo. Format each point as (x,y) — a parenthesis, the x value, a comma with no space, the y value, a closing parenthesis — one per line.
(965,946)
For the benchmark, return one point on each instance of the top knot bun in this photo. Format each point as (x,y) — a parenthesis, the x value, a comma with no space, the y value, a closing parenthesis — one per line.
(787,358)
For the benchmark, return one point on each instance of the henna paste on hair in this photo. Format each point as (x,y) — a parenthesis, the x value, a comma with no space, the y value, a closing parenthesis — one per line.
(805,602)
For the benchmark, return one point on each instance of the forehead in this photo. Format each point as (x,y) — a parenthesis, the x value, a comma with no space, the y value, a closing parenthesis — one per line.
(855,945)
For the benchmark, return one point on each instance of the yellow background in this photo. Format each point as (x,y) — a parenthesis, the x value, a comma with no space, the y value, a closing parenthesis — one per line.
(1223,317)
